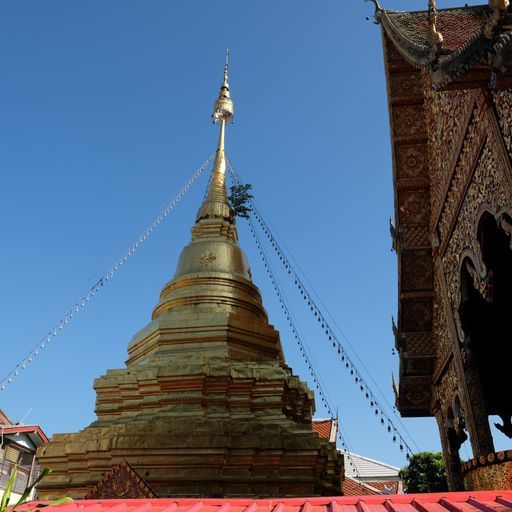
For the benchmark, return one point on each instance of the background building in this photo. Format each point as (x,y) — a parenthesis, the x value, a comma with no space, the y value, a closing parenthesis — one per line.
(362,474)
(18,445)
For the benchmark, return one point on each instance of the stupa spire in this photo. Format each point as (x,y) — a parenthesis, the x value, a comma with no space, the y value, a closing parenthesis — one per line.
(216,202)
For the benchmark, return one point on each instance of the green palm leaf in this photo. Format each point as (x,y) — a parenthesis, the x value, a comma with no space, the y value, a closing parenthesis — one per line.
(7,493)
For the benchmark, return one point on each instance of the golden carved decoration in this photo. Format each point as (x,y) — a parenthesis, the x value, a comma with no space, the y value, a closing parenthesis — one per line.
(489,185)
(435,35)
(468,155)
(442,334)
(498,8)
(503,103)
(448,114)
(207,257)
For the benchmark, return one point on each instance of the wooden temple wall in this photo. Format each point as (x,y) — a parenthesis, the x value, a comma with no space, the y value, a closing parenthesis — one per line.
(452,154)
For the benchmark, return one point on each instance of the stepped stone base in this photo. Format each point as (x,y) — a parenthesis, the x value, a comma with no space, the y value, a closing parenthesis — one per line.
(216,428)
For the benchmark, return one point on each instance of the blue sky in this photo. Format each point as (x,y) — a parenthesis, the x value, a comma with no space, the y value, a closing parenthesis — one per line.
(106,113)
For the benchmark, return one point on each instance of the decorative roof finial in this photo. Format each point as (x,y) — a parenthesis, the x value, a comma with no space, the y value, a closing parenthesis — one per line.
(226,67)
(498,9)
(500,5)
(378,10)
(435,35)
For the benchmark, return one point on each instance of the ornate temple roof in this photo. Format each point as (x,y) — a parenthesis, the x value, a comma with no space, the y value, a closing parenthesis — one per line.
(458,26)
(122,482)
(447,42)
(487,501)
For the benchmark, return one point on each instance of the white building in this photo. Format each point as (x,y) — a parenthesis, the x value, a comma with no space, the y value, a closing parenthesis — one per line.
(18,445)
(362,474)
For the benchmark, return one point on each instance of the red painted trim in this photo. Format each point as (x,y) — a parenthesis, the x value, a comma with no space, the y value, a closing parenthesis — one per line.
(24,429)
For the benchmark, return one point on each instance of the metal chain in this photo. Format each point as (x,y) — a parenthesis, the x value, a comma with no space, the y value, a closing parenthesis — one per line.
(96,288)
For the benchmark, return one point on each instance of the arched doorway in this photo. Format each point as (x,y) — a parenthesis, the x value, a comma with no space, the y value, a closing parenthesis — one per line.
(486,319)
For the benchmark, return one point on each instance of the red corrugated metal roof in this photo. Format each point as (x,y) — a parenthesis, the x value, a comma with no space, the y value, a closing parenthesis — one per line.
(483,501)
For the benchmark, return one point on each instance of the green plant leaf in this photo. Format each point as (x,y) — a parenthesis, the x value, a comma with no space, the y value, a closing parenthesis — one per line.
(28,490)
(7,493)
(240,199)
(59,501)
(425,473)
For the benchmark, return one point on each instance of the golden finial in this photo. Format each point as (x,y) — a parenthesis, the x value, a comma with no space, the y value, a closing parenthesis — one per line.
(226,67)
(223,108)
(436,36)
(216,203)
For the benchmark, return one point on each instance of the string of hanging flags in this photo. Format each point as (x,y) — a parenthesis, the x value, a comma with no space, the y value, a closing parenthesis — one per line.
(300,341)
(330,336)
(346,360)
(99,285)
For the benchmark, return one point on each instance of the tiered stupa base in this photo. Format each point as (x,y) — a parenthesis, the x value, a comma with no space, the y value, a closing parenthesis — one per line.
(213,429)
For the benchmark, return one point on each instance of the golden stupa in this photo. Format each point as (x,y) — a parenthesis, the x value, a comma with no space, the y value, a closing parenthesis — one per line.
(206,405)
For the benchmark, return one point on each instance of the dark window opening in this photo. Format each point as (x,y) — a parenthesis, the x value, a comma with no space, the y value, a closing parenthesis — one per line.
(485,313)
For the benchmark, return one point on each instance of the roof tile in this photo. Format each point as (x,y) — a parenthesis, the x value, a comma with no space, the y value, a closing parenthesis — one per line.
(323,428)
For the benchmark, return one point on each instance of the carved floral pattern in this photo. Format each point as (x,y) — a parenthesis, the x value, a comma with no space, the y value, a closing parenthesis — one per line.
(448,113)
(411,161)
(444,342)
(489,185)
(503,103)
(408,121)
(416,268)
(468,156)
(414,206)
(405,84)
